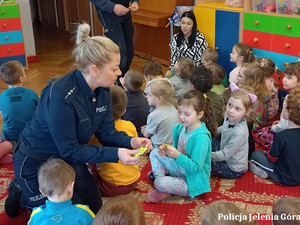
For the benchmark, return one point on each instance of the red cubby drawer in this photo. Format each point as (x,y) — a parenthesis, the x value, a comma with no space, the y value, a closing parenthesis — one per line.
(10,24)
(286,45)
(257,39)
(12,49)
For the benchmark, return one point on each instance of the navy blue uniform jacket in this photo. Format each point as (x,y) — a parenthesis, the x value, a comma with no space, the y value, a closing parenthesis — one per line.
(68,114)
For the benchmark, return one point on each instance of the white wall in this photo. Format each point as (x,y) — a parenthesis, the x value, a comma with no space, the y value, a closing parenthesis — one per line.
(27,27)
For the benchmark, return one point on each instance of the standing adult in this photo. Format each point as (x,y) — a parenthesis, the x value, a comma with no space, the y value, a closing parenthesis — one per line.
(70,111)
(188,42)
(115,16)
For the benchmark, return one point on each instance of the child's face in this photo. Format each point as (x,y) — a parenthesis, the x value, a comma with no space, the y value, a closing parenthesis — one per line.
(290,81)
(285,113)
(147,78)
(241,76)
(152,100)
(188,116)
(234,56)
(235,110)
(205,62)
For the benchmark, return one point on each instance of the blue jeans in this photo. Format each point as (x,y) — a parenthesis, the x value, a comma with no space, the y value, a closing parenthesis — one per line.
(86,191)
(261,160)
(120,30)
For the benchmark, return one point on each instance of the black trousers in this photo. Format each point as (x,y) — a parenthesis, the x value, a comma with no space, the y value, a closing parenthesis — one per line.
(86,191)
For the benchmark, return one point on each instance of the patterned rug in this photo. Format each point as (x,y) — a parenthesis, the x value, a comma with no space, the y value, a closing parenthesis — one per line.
(250,192)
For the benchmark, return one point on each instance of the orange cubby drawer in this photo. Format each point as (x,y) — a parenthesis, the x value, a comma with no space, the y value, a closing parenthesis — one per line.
(12,49)
(257,39)
(10,24)
(286,45)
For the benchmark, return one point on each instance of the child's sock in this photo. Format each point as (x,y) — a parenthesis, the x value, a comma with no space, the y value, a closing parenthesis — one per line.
(257,170)
(6,159)
(157,196)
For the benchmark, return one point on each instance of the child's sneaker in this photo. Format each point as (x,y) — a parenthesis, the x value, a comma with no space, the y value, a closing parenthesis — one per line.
(157,196)
(151,176)
(253,168)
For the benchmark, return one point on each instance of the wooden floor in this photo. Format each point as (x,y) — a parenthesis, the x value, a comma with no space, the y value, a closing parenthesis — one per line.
(54,48)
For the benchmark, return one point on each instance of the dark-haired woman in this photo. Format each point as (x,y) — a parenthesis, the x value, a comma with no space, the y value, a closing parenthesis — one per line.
(188,42)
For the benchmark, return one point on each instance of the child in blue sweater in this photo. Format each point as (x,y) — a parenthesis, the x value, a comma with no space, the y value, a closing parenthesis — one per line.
(188,160)
(56,182)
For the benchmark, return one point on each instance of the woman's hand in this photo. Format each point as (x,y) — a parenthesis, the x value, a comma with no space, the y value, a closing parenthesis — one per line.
(120,10)
(136,143)
(169,151)
(126,156)
(134,6)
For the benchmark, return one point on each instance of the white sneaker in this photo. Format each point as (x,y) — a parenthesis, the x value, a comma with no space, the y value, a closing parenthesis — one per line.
(253,168)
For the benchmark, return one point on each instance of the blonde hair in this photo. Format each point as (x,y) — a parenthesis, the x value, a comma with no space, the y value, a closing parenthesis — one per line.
(267,65)
(211,214)
(118,101)
(96,50)
(286,205)
(210,54)
(185,67)
(293,105)
(245,51)
(254,77)
(218,73)
(54,176)
(200,102)
(163,89)
(133,80)
(11,72)
(293,69)
(123,209)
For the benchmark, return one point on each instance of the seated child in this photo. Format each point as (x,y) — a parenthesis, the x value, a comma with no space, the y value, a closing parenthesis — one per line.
(188,160)
(117,178)
(56,181)
(152,70)
(268,66)
(137,108)
(241,53)
(230,148)
(218,75)
(217,212)
(281,163)
(121,210)
(17,104)
(286,211)
(210,56)
(201,80)
(181,79)
(253,76)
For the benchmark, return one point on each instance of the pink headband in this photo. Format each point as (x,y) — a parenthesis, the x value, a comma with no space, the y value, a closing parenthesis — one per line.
(234,87)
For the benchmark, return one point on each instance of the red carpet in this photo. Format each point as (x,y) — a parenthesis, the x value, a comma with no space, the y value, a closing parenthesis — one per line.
(250,192)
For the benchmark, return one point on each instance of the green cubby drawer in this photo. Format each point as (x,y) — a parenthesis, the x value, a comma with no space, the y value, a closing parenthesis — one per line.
(9,11)
(287,26)
(258,22)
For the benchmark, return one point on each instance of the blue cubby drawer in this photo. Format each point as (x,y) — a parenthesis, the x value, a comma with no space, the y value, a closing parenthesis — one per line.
(20,58)
(278,58)
(11,37)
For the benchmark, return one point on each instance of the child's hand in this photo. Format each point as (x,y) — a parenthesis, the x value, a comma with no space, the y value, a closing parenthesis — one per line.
(275,122)
(169,151)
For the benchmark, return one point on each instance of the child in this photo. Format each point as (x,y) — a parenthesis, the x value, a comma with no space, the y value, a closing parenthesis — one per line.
(152,70)
(218,75)
(201,80)
(164,117)
(188,160)
(282,161)
(181,80)
(123,209)
(209,57)
(217,212)
(241,53)
(268,66)
(286,211)
(116,178)
(137,109)
(17,104)
(56,182)
(230,148)
(252,75)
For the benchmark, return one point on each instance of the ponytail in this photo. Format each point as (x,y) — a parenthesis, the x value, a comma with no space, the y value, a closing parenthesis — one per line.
(208,117)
